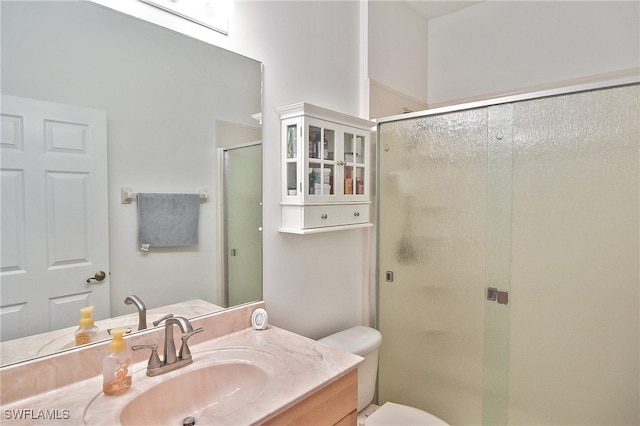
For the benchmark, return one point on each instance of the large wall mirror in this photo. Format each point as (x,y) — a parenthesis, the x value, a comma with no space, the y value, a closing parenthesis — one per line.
(157,112)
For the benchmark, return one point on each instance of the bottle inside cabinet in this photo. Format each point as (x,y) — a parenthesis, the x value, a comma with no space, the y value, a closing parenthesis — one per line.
(321,143)
(321,180)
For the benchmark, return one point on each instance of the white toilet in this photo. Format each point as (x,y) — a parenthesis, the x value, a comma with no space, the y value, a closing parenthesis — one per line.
(365,341)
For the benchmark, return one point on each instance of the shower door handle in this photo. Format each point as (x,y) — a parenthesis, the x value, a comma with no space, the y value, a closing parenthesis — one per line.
(495,295)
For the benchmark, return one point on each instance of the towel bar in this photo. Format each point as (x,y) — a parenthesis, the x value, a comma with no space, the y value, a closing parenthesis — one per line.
(127,196)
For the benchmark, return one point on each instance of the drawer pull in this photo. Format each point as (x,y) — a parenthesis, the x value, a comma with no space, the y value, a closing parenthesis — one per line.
(356,214)
(324,216)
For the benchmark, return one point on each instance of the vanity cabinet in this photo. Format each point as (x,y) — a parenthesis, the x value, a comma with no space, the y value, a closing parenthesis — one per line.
(326,175)
(334,404)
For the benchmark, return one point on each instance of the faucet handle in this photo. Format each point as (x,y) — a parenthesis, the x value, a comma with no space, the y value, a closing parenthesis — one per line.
(185,352)
(157,322)
(154,359)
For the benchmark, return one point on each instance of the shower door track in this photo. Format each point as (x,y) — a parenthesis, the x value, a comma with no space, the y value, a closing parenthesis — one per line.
(605,84)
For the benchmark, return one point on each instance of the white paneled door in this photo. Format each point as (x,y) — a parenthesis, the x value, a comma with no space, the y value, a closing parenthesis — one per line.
(54,215)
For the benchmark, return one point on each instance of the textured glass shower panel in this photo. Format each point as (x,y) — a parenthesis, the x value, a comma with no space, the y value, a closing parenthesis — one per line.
(574,267)
(538,197)
(498,263)
(433,173)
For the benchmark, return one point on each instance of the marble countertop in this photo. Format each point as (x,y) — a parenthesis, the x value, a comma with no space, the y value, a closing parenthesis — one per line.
(297,367)
(29,347)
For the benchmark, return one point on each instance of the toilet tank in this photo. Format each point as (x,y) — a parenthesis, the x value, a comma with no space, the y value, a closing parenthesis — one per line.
(363,341)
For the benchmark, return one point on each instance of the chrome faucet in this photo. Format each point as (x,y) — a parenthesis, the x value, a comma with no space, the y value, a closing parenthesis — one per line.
(172,361)
(142,310)
(169,345)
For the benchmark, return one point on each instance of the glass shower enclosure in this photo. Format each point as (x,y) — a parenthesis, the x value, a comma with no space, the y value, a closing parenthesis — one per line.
(508,258)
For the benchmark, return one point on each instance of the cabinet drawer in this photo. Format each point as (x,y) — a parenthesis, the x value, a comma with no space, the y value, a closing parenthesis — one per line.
(335,215)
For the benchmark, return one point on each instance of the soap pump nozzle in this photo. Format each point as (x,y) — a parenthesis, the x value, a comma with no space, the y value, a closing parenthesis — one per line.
(86,321)
(118,344)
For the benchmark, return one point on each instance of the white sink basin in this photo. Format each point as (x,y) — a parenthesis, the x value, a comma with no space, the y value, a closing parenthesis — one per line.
(213,390)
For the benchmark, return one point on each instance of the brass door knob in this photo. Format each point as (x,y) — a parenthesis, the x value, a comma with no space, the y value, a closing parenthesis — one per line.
(99,276)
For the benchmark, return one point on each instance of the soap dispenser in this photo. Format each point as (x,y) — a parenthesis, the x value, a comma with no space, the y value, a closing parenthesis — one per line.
(87,331)
(116,367)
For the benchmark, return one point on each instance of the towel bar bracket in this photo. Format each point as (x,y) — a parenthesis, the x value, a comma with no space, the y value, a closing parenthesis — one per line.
(126,196)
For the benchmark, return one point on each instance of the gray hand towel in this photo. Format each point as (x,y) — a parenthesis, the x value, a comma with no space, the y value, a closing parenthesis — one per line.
(168,220)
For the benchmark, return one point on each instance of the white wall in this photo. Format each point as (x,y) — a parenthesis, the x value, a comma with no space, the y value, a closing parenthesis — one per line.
(500,47)
(312,284)
(398,48)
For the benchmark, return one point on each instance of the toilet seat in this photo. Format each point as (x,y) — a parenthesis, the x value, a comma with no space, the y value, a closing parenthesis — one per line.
(397,414)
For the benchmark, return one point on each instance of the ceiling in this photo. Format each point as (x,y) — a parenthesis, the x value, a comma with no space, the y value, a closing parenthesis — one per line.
(434,8)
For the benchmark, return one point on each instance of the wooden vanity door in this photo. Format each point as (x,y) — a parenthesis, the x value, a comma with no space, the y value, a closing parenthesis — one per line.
(335,404)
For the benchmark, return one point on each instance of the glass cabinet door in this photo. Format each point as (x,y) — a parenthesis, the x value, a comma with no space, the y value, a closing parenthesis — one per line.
(355,164)
(291,188)
(321,161)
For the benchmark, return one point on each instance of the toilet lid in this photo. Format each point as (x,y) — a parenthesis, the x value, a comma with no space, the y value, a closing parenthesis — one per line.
(396,414)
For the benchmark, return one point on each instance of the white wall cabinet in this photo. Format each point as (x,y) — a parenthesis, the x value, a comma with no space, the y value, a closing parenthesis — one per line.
(326,173)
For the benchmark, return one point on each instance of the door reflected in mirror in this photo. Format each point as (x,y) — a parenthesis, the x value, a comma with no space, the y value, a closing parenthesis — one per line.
(243,224)
(168,100)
